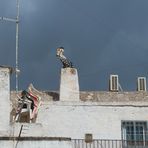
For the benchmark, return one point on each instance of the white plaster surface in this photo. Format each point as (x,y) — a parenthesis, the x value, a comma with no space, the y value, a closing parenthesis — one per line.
(99,113)
(4,99)
(28,130)
(74,121)
(35,144)
(69,85)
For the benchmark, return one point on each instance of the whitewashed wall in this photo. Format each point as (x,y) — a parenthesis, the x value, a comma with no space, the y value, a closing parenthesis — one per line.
(69,85)
(4,99)
(74,120)
(35,144)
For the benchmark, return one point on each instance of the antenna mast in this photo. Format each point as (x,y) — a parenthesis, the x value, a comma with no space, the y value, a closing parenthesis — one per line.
(17,39)
(17,42)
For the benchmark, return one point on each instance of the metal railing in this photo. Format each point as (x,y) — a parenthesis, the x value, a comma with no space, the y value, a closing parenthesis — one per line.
(80,143)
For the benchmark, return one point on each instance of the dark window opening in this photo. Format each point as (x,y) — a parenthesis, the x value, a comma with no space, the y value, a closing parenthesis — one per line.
(134,133)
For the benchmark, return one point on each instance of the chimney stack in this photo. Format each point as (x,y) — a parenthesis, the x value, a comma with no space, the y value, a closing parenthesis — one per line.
(114,83)
(69,85)
(141,84)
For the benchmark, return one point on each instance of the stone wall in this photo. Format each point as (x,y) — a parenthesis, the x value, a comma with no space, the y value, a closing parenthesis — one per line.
(94,96)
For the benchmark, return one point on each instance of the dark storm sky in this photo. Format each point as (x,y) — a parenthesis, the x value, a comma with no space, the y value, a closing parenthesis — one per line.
(101,37)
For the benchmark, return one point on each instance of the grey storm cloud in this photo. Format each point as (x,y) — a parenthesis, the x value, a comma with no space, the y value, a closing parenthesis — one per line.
(101,37)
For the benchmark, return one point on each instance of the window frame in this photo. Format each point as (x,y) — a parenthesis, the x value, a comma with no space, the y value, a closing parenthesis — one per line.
(134,141)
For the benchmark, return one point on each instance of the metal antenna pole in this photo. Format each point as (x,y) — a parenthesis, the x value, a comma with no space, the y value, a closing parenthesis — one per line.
(17,43)
(17,39)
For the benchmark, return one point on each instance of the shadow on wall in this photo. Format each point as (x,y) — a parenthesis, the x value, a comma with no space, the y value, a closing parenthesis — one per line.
(54,95)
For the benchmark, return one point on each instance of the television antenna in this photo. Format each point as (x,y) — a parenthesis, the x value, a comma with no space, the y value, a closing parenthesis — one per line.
(16,21)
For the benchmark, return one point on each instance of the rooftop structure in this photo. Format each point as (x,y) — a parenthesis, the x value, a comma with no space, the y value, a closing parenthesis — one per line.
(70,118)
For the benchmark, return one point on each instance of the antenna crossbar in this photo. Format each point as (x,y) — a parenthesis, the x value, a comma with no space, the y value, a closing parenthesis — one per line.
(8,19)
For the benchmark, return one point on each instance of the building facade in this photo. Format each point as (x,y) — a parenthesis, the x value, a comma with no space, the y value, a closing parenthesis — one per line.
(106,119)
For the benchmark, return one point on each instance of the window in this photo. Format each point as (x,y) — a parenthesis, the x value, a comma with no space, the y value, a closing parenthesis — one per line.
(135,133)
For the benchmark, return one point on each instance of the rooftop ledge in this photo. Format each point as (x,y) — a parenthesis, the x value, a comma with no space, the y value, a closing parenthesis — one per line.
(103,98)
(33,138)
(101,104)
